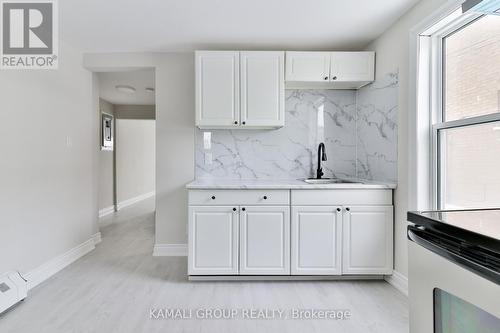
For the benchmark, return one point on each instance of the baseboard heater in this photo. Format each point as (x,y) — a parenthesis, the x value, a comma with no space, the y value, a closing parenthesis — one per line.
(13,289)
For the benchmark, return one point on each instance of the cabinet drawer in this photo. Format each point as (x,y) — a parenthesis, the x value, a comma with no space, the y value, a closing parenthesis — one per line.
(339,197)
(239,197)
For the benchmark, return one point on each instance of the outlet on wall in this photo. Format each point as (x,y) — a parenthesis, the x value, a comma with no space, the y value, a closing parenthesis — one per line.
(69,141)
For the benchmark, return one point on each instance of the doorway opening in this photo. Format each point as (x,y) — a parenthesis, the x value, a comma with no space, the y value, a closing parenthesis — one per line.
(127,144)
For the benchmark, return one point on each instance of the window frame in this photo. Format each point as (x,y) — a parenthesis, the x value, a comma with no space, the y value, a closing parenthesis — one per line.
(436,104)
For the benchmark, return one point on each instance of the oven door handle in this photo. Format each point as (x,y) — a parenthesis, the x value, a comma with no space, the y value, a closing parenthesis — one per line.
(471,265)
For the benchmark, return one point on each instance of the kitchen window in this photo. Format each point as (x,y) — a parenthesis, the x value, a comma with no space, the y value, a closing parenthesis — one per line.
(465,113)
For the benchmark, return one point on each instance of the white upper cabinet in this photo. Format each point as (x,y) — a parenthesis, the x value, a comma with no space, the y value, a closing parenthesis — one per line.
(240,89)
(308,66)
(329,70)
(217,88)
(262,89)
(352,66)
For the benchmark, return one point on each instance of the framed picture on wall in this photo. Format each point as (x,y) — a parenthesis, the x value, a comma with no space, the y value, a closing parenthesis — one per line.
(107,131)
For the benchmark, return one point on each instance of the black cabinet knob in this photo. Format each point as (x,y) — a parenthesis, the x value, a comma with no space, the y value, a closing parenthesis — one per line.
(234,209)
(243,209)
(213,197)
(265,197)
(338,209)
(244,123)
(334,78)
(326,78)
(348,209)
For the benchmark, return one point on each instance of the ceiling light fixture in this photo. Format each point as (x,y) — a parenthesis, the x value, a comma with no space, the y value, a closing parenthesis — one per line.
(125,89)
(149,89)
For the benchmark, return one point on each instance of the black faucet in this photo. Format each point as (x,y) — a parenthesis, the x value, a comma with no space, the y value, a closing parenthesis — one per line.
(321,157)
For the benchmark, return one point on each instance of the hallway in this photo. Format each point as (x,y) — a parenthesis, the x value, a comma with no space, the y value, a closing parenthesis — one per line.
(113,288)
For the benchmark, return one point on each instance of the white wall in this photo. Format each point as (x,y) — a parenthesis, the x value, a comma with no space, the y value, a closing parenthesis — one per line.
(174,144)
(135,158)
(392,49)
(106,159)
(48,164)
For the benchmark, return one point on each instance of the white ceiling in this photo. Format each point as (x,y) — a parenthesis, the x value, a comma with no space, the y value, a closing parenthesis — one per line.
(139,79)
(185,25)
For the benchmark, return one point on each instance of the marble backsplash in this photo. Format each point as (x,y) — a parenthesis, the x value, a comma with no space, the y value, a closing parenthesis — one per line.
(359,129)
(377,130)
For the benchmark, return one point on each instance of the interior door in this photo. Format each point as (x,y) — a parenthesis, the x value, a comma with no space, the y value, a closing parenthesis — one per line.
(213,240)
(352,66)
(217,88)
(316,240)
(262,89)
(308,66)
(264,240)
(367,247)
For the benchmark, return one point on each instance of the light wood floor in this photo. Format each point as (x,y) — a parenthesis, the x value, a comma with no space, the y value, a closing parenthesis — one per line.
(113,288)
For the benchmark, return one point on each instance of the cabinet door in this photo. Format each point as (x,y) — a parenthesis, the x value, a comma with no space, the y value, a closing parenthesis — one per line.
(264,239)
(262,89)
(217,89)
(308,66)
(352,66)
(316,240)
(367,240)
(213,240)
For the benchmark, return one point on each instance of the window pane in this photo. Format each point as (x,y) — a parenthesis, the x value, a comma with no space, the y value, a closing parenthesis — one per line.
(470,166)
(472,70)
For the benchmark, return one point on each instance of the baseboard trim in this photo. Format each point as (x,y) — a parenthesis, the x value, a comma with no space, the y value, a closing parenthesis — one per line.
(106,211)
(398,281)
(170,250)
(134,200)
(51,267)
(97,238)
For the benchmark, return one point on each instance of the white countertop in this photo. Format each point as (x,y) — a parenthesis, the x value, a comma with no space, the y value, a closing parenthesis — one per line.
(205,184)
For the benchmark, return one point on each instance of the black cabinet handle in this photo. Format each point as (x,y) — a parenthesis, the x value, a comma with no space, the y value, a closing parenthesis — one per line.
(244,123)
(326,78)
(236,123)
(334,78)
(243,209)
(234,209)
(213,197)
(338,209)
(348,209)
(265,197)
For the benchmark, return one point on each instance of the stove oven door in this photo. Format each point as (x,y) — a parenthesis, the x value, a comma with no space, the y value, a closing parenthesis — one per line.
(447,297)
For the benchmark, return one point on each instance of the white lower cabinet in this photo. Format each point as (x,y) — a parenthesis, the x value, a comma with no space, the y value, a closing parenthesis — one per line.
(297,232)
(316,240)
(368,233)
(264,240)
(213,240)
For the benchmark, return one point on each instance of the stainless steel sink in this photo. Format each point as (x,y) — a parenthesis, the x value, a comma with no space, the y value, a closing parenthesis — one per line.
(329,181)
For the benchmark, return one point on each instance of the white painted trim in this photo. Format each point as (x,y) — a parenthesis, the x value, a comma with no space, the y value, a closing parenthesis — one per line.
(97,238)
(398,281)
(134,200)
(51,267)
(418,124)
(106,211)
(170,250)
